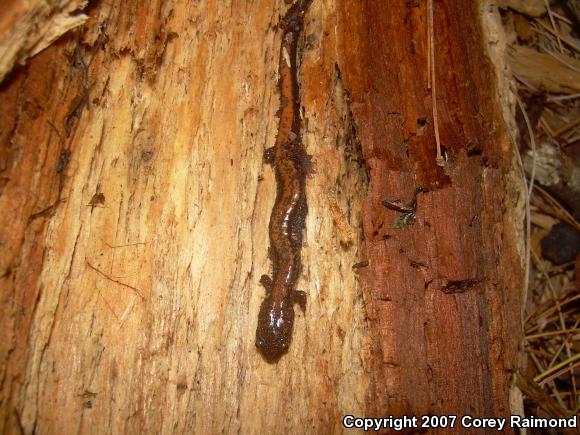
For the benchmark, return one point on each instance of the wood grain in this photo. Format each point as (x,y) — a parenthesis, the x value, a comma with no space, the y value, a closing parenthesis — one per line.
(129,277)
(28,27)
(434,352)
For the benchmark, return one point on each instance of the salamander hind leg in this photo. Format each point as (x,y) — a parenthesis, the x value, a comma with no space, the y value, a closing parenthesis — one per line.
(299,297)
(308,165)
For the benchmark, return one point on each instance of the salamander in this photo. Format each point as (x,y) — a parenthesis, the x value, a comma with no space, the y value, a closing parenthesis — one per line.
(291,166)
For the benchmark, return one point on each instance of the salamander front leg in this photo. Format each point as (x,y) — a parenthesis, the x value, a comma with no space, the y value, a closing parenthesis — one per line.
(266,281)
(299,297)
(269,155)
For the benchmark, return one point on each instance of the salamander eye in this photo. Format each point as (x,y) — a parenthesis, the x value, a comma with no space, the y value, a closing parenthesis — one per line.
(260,343)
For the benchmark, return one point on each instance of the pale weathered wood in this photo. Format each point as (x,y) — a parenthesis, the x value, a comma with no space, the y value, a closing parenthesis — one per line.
(28,27)
(182,105)
(129,270)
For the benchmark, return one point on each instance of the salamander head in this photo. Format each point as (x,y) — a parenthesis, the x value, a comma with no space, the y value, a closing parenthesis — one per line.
(274,331)
(293,21)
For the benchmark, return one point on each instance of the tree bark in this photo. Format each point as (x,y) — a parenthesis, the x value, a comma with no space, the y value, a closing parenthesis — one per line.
(444,294)
(135,207)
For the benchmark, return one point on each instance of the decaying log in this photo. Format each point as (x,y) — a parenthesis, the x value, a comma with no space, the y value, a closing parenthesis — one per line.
(134,221)
(443,294)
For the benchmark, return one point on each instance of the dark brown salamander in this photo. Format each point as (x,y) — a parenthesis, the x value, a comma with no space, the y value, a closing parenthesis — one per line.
(291,166)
